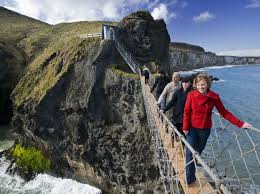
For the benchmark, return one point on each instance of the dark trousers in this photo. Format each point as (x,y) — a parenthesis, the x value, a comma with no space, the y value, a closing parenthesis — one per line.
(146,79)
(197,138)
(179,127)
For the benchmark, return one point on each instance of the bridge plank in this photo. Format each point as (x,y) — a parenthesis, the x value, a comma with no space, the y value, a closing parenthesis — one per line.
(178,162)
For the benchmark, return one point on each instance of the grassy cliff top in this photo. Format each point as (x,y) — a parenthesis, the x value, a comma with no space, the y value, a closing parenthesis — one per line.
(49,49)
(56,49)
(33,36)
(181,46)
(14,26)
(49,67)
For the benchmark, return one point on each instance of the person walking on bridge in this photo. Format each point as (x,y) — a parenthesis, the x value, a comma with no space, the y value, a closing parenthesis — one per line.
(160,82)
(169,90)
(146,74)
(197,119)
(177,102)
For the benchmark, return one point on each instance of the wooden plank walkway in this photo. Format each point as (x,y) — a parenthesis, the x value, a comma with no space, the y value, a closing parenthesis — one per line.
(176,153)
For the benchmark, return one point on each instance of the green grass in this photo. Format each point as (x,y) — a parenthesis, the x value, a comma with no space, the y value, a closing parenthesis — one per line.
(47,69)
(57,35)
(184,47)
(122,73)
(30,159)
(14,26)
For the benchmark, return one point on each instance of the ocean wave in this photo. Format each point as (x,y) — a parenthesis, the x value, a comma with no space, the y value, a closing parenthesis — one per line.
(42,183)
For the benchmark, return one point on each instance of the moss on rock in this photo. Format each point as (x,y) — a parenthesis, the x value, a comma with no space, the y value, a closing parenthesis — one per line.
(121,73)
(30,159)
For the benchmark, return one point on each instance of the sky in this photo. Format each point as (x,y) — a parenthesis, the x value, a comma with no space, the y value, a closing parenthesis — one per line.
(221,26)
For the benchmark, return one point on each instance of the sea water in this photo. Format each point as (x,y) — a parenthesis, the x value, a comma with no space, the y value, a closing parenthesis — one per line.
(41,184)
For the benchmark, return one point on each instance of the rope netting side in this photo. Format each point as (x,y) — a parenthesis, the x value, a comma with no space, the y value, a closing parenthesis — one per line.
(234,153)
(167,174)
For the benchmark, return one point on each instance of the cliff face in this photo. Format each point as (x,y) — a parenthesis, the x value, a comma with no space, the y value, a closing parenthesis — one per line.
(232,60)
(87,116)
(188,60)
(180,60)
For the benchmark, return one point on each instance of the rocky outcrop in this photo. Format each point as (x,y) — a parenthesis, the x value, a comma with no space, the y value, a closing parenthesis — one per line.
(147,39)
(92,124)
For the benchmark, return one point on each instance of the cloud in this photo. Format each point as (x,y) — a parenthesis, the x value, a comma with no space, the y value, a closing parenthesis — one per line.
(162,12)
(173,2)
(204,17)
(68,11)
(253,4)
(241,53)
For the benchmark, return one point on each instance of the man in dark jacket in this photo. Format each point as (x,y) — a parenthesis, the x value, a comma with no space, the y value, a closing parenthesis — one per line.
(178,102)
(146,74)
(160,82)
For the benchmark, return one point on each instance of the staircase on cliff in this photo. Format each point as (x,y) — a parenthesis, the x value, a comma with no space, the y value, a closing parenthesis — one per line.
(212,176)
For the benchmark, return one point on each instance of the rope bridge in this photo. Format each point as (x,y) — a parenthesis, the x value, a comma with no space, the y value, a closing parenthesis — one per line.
(229,164)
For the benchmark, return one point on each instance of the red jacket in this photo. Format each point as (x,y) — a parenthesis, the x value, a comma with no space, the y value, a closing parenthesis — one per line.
(198,111)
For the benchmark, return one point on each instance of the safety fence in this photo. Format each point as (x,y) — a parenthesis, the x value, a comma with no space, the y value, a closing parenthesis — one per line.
(92,35)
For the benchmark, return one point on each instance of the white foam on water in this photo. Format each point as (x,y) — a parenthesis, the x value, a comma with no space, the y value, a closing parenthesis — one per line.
(42,183)
(218,67)
(53,185)
(184,73)
(204,69)
(6,144)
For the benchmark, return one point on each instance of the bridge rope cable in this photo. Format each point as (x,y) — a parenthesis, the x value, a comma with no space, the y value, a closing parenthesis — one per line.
(224,162)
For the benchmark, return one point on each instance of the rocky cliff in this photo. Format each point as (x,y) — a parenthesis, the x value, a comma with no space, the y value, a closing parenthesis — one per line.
(146,38)
(92,124)
(192,59)
(76,105)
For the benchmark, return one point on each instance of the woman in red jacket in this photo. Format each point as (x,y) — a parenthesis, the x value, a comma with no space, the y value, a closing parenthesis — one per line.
(197,119)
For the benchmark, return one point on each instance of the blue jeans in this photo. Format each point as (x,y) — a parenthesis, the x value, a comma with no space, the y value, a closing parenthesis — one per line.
(197,138)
